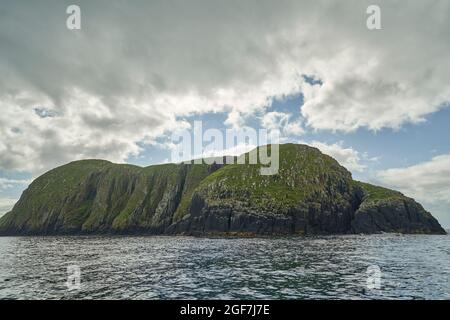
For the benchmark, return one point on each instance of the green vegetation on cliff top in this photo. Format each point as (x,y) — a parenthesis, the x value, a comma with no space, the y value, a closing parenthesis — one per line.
(374,193)
(303,171)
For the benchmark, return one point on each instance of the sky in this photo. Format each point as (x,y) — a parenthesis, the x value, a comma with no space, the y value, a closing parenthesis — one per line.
(136,72)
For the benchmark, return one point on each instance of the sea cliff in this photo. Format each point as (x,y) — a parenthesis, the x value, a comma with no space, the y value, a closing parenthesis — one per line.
(311,194)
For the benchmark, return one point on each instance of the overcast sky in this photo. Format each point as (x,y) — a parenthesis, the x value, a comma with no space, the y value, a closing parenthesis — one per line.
(376,100)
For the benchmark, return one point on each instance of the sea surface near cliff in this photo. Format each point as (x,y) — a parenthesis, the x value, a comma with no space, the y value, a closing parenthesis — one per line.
(412,266)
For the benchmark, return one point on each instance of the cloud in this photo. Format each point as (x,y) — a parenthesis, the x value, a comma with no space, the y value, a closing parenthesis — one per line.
(6,204)
(236,150)
(347,157)
(282,121)
(133,69)
(10,183)
(428,181)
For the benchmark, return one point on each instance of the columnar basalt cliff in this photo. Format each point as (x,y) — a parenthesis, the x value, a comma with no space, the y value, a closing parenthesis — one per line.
(311,194)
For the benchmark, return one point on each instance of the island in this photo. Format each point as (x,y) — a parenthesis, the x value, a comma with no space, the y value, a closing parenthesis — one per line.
(312,194)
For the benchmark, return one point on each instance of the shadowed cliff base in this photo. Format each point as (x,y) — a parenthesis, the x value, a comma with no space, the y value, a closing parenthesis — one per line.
(311,194)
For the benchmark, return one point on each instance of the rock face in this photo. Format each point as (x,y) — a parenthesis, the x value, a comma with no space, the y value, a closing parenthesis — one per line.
(395,214)
(311,194)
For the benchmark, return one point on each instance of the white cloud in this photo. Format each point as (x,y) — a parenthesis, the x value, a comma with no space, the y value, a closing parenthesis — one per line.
(133,69)
(236,150)
(10,183)
(6,205)
(282,122)
(428,181)
(347,157)
(294,128)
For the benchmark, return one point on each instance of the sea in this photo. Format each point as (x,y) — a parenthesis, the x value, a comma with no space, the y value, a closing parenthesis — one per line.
(385,266)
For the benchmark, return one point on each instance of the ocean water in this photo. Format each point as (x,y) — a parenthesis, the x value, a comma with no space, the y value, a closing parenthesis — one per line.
(384,266)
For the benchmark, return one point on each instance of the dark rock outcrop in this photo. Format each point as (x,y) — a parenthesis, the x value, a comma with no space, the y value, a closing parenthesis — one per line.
(398,215)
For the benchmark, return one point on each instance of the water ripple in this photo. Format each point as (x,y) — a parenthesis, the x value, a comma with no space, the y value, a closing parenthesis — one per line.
(334,267)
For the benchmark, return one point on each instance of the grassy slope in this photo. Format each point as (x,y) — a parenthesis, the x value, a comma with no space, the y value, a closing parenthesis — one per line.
(374,193)
(303,171)
(195,175)
(149,192)
(51,189)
